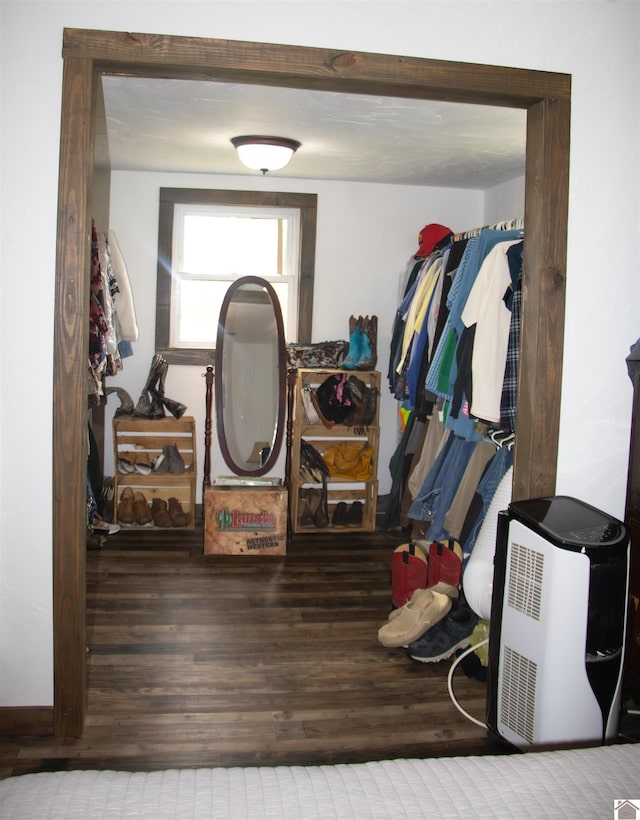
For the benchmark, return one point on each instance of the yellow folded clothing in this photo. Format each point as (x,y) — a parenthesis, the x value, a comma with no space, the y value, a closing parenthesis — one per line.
(349,459)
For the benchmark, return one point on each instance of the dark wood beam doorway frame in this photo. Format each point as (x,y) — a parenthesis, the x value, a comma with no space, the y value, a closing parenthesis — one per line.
(87,54)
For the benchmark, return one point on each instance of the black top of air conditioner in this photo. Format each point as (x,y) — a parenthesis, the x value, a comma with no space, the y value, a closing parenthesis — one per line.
(572,524)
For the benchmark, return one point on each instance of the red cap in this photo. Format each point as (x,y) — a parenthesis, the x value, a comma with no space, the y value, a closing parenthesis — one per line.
(429,237)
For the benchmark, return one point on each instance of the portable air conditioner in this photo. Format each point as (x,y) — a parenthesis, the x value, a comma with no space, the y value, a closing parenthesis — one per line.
(557,627)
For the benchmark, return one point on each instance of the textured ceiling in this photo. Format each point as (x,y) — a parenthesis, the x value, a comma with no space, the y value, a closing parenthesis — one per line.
(186,126)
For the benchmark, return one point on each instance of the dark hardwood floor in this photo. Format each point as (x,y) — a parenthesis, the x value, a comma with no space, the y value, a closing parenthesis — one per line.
(241,661)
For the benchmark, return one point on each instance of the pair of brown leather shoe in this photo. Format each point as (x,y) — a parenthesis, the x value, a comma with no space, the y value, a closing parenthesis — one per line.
(133,508)
(344,516)
(169,513)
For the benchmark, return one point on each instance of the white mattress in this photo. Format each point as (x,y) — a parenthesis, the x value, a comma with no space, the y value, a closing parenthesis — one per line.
(577,784)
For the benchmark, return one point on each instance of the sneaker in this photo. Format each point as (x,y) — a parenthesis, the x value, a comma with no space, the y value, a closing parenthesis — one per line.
(453,632)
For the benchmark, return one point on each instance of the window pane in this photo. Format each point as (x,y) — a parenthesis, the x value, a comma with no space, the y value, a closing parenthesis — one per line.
(199,307)
(230,246)
(200,301)
(208,239)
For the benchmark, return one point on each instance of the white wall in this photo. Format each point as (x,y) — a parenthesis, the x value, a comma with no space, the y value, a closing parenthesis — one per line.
(365,236)
(595,42)
(505,201)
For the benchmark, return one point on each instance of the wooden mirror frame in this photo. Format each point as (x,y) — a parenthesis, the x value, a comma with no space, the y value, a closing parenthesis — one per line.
(89,53)
(276,441)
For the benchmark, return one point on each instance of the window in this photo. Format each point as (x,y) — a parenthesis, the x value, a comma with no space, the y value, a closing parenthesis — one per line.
(209,238)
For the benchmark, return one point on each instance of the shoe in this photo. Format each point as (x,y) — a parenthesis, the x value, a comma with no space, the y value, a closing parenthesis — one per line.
(354,353)
(452,633)
(160,513)
(141,509)
(319,508)
(125,466)
(305,516)
(445,566)
(409,571)
(101,527)
(179,518)
(147,407)
(108,495)
(126,514)
(104,528)
(142,467)
(160,464)
(176,462)
(313,511)
(368,355)
(126,402)
(176,408)
(156,393)
(339,518)
(354,516)
(425,609)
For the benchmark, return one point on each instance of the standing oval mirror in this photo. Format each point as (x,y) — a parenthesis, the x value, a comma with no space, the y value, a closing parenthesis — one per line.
(250,377)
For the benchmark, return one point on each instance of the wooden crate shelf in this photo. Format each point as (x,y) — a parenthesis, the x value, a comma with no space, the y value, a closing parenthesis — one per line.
(320,437)
(142,440)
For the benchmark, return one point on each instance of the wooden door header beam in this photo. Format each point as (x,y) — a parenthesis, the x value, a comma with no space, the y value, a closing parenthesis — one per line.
(194,58)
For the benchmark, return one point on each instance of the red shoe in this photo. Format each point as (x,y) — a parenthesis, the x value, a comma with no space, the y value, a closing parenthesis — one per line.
(409,572)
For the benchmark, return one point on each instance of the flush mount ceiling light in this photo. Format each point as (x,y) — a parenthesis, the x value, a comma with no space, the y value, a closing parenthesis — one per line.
(265,153)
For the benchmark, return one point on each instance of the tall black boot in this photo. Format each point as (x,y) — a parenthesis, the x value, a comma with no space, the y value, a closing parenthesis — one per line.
(146,407)
(157,406)
(176,408)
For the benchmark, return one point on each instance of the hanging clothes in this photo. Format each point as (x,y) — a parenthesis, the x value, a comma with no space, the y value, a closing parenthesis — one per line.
(122,307)
(112,319)
(98,325)
(443,371)
(485,309)
(454,365)
(514,302)
(396,382)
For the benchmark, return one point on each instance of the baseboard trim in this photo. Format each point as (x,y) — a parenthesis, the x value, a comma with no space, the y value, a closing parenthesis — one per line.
(29,721)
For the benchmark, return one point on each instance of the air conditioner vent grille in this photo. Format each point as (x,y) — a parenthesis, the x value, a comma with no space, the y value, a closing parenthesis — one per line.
(525,580)
(518,694)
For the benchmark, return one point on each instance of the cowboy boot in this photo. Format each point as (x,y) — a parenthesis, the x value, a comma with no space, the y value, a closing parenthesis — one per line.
(350,361)
(368,355)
